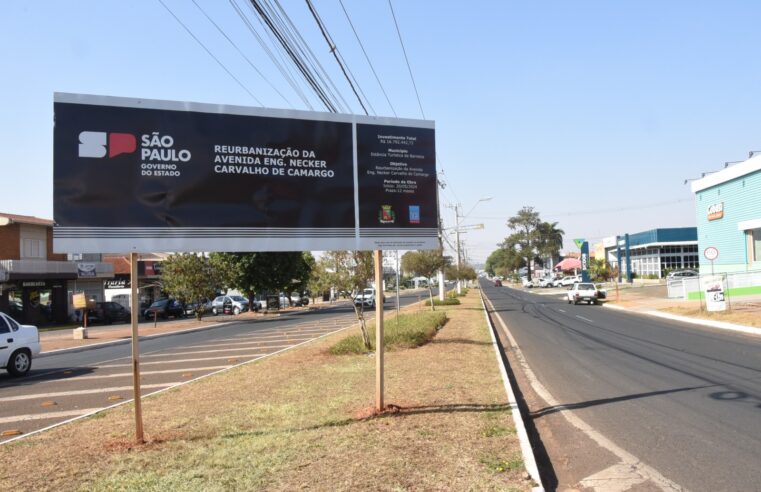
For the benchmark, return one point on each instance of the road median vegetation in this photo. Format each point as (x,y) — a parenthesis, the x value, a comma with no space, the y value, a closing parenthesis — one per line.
(303,419)
(409,330)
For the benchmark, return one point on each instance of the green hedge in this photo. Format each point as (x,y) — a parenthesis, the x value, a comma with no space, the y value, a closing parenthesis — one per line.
(406,331)
(448,301)
(453,293)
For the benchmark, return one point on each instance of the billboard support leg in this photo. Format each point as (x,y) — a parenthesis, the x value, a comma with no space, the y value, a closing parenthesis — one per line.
(379,348)
(134,315)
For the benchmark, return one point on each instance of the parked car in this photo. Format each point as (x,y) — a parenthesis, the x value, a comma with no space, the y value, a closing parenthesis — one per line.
(583,292)
(108,312)
(164,308)
(682,274)
(19,344)
(298,299)
(204,306)
(238,304)
(366,298)
(545,282)
(525,282)
(566,281)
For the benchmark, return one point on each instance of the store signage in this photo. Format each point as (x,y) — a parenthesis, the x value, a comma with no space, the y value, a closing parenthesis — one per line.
(86,270)
(33,283)
(117,283)
(143,175)
(716,211)
(578,242)
(713,289)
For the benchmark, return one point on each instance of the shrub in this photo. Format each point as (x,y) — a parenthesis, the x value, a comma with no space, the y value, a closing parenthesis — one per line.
(407,331)
(453,293)
(448,301)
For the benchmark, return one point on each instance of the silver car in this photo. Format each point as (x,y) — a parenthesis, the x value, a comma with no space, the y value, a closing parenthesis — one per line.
(238,304)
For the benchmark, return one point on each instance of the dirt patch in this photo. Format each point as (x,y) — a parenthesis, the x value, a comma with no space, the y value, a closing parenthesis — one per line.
(302,419)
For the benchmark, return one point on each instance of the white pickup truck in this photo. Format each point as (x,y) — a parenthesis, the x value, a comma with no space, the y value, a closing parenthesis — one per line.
(18,344)
(584,292)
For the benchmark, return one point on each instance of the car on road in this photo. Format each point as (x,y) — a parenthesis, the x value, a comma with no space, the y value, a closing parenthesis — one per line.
(583,292)
(108,312)
(19,344)
(164,308)
(238,304)
(366,298)
(497,282)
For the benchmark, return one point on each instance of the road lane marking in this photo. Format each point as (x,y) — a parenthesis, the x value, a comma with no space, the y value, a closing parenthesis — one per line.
(214,350)
(80,392)
(585,319)
(143,373)
(635,468)
(180,361)
(242,343)
(561,310)
(51,415)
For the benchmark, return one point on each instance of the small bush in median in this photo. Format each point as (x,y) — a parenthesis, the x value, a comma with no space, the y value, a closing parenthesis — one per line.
(449,301)
(406,331)
(453,293)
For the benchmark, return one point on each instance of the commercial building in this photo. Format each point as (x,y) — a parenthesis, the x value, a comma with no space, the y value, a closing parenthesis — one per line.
(655,252)
(728,211)
(36,285)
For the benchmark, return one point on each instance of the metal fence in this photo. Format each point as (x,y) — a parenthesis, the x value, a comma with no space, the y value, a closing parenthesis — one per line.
(738,284)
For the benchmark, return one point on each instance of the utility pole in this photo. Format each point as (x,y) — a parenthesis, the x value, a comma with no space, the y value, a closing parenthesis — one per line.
(397,286)
(457,240)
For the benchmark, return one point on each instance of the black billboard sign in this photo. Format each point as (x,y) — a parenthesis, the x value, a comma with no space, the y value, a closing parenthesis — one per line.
(146,175)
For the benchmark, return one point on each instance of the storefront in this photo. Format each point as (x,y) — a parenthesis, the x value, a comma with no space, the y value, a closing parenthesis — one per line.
(35,302)
(728,211)
(656,252)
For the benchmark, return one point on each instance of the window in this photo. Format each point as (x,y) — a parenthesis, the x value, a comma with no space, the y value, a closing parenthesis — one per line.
(33,248)
(756,243)
(4,328)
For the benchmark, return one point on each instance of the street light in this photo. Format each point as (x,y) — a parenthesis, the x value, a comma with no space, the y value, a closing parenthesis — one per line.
(459,229)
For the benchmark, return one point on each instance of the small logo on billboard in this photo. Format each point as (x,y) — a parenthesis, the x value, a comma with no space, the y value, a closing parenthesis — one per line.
(414,214)
(99,144)
(386,215)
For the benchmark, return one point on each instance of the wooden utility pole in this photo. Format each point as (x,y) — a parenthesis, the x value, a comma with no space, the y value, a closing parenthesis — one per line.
(135,317)
(378,257)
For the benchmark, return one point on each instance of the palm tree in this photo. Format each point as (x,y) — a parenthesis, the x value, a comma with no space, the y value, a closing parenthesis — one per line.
(549,239)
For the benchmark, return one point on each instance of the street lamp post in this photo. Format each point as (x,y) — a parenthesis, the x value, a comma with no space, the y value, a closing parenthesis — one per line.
(458,229)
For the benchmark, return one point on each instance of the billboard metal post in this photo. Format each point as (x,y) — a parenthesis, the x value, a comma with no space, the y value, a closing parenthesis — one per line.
(134,315)
(379,348)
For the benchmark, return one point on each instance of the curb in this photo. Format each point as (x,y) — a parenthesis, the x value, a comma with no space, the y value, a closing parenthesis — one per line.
(721,325)
(526,449)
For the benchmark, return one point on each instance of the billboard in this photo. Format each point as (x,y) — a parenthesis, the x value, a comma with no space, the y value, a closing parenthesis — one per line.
(146,175)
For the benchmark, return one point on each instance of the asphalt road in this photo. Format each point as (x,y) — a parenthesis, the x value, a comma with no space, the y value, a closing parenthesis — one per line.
(70,384)
(685,400)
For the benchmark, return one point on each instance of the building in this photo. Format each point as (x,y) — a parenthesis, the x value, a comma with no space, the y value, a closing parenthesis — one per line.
(119,289)
(655,252)
(36,285)
(728,211)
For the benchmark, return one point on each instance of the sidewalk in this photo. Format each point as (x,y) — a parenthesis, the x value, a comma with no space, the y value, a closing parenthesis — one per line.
(99,334)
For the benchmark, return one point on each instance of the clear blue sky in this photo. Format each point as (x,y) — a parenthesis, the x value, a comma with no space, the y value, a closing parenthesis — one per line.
(569,107)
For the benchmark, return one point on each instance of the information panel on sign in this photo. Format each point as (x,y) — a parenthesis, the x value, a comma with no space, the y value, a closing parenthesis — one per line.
(146,175)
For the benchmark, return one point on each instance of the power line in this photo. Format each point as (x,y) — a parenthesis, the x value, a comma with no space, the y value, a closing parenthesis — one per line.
(241,53)
(367,58)
(211,54)
(334,51)
(406,59)
(594,211)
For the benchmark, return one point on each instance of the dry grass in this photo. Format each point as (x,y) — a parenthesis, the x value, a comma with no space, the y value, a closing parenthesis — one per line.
(747,317)
(300,420)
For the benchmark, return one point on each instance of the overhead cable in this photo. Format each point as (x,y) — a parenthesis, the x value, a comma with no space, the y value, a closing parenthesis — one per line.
(211,54)
(406,59)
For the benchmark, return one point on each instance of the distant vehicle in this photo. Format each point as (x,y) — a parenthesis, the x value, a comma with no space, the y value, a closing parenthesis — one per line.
(238,304)
(566,281)
(525,282)
(298,299)
(682,274)
(497,283)
(164,308)
(583,292)
(545,282)
(108,312)
(18,345)
(203,306)
(366,298)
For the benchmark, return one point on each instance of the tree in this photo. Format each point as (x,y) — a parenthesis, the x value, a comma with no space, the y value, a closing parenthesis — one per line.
(600,270)
(426,264)
(253,273)
(549,240)
(190,278)
(351,271)
(532,238)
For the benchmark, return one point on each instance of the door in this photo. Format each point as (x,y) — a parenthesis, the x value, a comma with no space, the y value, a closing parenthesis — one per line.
(6,346)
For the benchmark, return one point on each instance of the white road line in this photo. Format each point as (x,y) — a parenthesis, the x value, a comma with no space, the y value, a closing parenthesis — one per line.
(51,415)
(82,392)
(634,467)
(561,310)
(142,373)
(179,361)
(213,351)
(242,342)
(585,319)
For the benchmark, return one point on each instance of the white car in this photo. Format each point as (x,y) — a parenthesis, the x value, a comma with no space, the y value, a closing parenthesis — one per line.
(366,298)
(545,282)
(525,282)
(566,281)
(19,344)
(584,292)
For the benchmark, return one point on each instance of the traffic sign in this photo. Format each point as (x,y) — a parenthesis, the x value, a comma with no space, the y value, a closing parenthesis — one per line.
(711,253)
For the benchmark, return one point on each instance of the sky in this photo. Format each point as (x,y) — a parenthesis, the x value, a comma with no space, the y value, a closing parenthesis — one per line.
(592,112)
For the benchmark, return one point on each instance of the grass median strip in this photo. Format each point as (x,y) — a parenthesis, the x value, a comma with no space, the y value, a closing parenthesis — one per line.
(302,419)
